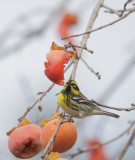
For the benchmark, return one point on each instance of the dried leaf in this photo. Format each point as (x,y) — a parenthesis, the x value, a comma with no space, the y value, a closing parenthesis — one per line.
(23,123)
(53,156)
(44,121)
(56,47)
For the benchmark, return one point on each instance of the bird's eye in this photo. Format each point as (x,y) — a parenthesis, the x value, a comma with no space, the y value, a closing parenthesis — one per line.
(75,87)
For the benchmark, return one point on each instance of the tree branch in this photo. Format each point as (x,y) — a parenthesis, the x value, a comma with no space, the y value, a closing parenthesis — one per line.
(125,5)
(86,36)
(91,69)
(104,26)
(120,78)
(115,108)
(94,15)
(112,10)
(80,151)
(51,142)
(34,103)
(125,148)
(41,97)
(49,146)
(76,46)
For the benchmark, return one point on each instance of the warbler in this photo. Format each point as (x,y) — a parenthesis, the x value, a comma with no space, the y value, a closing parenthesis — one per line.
(73,102)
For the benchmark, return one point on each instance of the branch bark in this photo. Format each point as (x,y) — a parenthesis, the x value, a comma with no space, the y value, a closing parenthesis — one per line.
(125,148)
(80,151)
(86,36)
(112,10)
(34,103)
(41,97)
(91,69)
(115,108)
(49,146)
(104,26)
(51,142)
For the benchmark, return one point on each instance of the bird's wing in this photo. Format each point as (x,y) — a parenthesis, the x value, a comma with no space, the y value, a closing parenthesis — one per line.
(77,98)
(80,99)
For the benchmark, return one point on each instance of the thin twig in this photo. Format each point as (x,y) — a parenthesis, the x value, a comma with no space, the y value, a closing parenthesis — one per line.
(68,120)
(84,47)
(125,5)
(86,36)
(51,142)
(110,107)
(57,109)
(41,97)
(112,10)
(34,103)
(104,26)
(125,148)
(40,107)
(91,69)
(80,151)
(115,108)
(120,78)
(49,146)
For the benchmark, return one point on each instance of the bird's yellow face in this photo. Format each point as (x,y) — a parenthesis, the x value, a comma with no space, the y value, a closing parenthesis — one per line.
(71,87)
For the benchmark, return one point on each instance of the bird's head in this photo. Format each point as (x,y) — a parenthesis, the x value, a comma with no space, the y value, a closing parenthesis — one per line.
(71,87)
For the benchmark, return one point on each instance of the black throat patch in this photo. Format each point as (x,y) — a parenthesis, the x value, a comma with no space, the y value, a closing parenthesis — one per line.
(67,90)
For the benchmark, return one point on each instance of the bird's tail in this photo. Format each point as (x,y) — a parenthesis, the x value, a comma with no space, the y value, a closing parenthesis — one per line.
(101,112)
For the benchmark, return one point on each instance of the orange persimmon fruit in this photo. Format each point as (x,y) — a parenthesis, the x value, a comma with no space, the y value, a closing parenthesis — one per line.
(66,136)
(67,21)
(98,153)
(70,19)
(24,142)
(57,58)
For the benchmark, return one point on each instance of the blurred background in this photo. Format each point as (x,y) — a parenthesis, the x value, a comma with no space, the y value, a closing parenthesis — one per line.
(27,30)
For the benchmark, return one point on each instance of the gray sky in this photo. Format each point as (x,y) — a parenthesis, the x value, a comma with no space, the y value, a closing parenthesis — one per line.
(22,72)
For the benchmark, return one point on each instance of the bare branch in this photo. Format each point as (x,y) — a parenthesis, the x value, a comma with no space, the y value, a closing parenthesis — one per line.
(125,148)
(112,10)
(80,151)
(91,69)
(51,142)
(125,5)
(104,26)
(40,107)
(57,109)
(86,36)
(34,103)
(41,97)
(84,48)
(49,146)
(120,78)
(76,46)
(115,108)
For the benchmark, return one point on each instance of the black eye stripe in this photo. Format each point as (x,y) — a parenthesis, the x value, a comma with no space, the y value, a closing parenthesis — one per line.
(75,87)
